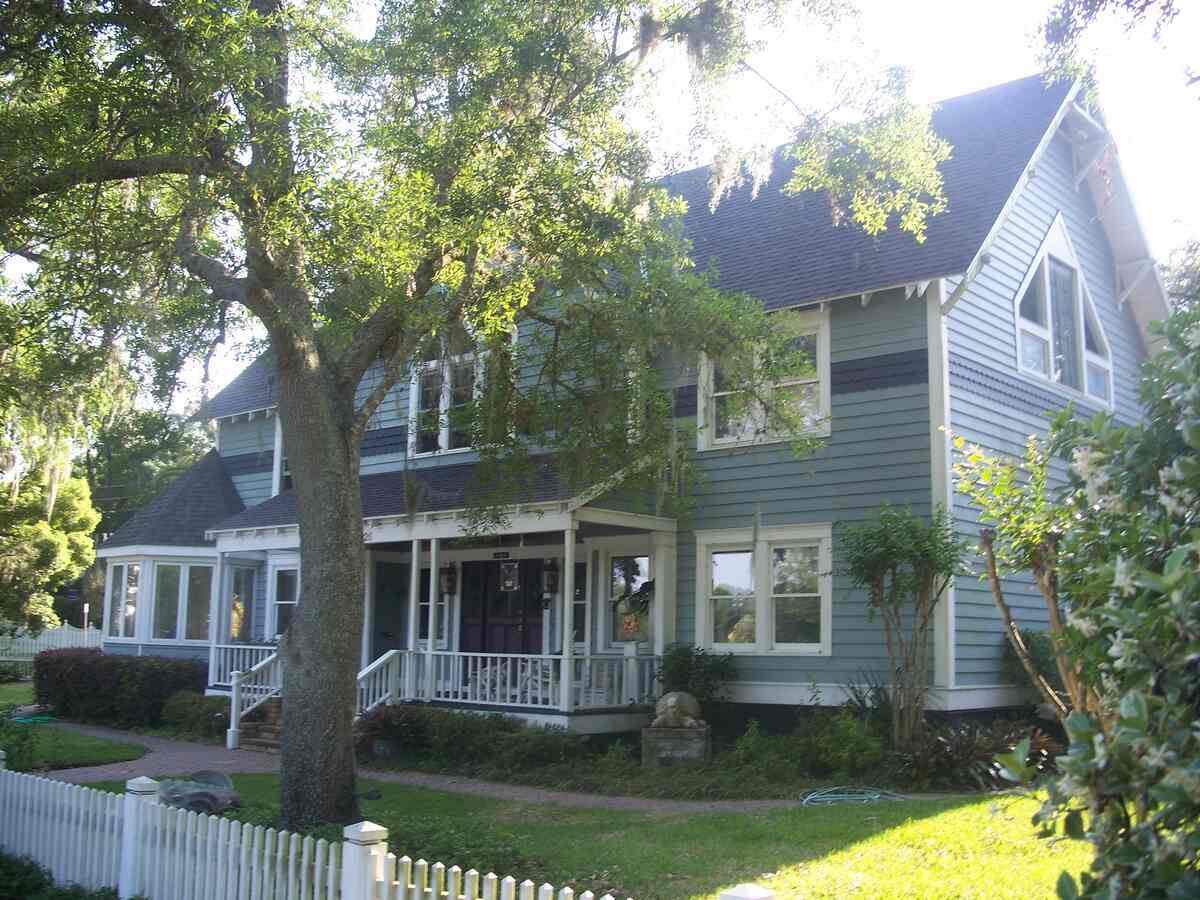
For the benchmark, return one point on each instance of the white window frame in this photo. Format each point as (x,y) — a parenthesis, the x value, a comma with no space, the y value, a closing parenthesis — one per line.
(814,320)
(248,624)
(181,600)
(273,569)
(445,364)
(1057,246)
(608,551)
(818,534)
(138,625)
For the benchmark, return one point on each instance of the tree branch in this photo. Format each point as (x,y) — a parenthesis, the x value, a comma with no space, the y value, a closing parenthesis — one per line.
(219,280)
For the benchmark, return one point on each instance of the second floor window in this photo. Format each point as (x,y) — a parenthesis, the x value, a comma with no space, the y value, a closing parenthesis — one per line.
(728,417)
(442,396)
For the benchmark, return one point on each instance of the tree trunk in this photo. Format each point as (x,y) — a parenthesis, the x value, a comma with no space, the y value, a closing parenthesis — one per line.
(320,650)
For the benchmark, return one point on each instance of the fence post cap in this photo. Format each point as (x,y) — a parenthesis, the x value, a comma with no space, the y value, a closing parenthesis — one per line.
(365,833)
(141,785)
(748,892)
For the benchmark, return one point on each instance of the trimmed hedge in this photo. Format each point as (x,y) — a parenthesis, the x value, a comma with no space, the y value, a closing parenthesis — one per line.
(126,691)
(23,879)
(192,714)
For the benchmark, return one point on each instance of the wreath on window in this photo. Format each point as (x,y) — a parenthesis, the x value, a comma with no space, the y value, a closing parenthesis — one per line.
(636,602)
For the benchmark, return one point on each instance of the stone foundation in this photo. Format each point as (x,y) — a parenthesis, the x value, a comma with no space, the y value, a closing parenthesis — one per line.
(663,747)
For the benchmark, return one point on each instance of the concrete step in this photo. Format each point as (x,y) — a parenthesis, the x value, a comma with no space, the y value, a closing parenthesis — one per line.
(248,743)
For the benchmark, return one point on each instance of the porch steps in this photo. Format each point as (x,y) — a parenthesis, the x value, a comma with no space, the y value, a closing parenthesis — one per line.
(261,729)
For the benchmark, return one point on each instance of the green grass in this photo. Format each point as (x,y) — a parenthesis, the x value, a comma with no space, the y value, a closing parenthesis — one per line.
(59,748)
(19,693)
(947,848)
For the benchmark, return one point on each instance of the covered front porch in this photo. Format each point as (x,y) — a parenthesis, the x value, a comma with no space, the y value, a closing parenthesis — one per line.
(562,619)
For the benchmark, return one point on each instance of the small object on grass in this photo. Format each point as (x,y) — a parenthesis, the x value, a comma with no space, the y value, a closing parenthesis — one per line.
(203,792)
(847,794)
(33,720)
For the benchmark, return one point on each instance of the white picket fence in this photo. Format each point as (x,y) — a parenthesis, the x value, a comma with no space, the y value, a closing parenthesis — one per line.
(22,647)
(145,849)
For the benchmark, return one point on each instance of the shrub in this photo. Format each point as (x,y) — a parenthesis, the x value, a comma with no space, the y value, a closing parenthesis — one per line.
(462,740)
(10,672)
(963,755)
(114,690)
(191,713)
(23,879)
(696,671)
(837,740)
(17,742)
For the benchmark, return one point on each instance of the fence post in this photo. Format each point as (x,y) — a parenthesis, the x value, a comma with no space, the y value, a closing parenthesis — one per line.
(137,792)
(363,855)
(235,710)
(630,681)
(748,892)
(3,760)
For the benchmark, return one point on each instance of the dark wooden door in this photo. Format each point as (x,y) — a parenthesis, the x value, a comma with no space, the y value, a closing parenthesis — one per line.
(497,621)
(390,616)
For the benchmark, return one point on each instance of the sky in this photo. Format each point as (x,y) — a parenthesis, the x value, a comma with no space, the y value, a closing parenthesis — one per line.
(952,47)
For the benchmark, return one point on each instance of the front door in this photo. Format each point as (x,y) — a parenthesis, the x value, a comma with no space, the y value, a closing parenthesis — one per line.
(501,621)
(389,619)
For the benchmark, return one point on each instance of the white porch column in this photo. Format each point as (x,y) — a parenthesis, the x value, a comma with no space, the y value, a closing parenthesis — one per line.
(567,619)
(434,588)
(414,612)
(665,597)
(219,621)
(368,609)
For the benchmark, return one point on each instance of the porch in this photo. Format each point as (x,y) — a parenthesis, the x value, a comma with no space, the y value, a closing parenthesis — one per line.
(563,627)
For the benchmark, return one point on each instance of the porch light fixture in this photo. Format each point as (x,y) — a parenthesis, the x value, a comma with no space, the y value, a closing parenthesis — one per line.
(550,577)
(449,579)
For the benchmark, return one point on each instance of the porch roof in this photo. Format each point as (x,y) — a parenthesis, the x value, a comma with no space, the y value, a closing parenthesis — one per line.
(436,489)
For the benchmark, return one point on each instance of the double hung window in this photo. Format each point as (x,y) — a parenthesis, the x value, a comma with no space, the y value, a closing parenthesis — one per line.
(442,395)
(729,416)
(770,592)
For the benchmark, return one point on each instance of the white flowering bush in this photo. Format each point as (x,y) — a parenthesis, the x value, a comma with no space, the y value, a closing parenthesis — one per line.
(1129,565)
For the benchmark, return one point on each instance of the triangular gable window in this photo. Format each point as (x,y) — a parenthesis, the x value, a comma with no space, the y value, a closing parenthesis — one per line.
(1059,335)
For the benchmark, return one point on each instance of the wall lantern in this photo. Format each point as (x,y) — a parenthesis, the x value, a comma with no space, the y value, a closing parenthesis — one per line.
(550,577)
(449,579)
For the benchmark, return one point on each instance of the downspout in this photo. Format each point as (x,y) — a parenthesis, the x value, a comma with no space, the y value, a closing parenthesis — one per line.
(977,265)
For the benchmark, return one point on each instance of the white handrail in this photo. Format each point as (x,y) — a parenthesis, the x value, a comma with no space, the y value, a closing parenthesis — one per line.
(380,682)
(260,684)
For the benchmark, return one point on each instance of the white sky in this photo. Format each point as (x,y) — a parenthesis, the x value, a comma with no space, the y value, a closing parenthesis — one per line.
(953,47)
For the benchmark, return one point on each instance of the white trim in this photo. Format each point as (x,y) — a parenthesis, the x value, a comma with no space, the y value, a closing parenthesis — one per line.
(817,319)
(708,541)
(274,567)
(445,365)
(139,616)
(599,516)
(183,599)
(133,551)
(787,693)
(942,484)
(277,458)
(632,545)
(990,696)
(1057,245)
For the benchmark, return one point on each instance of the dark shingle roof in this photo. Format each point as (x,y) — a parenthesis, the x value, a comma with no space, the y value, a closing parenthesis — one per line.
(179,516)
(254,388)
(785,249)
(442,488)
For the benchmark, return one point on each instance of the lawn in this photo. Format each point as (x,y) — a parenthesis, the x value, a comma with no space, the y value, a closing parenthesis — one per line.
(925,848)
(19,693)
(60,748)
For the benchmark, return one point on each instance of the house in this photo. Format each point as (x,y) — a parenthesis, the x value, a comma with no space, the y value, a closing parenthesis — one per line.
(1034,290)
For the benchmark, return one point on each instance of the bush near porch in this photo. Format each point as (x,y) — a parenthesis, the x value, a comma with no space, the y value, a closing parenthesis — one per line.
(823,746)
(122,691)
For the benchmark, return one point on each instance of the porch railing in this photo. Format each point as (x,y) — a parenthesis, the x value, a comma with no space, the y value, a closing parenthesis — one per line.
(506,679)
(603,681)
(249,690)
(225,659)
(383,679)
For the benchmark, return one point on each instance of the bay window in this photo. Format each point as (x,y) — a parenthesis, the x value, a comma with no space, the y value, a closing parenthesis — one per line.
(123,599)
(729,416)
(182,601)
(1059,336)
(765,592)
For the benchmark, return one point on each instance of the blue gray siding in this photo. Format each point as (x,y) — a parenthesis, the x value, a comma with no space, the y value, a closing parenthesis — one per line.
(877,452)
(168,651)
(994,405)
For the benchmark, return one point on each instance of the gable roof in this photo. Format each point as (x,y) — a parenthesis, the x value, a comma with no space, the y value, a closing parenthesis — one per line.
(386,494)
(179,516)
(252,389)
(784,249)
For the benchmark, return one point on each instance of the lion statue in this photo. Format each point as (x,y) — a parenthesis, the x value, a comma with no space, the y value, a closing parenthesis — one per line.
(677,709)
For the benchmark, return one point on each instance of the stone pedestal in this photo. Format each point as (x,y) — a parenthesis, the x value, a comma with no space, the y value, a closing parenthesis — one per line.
(662,747)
